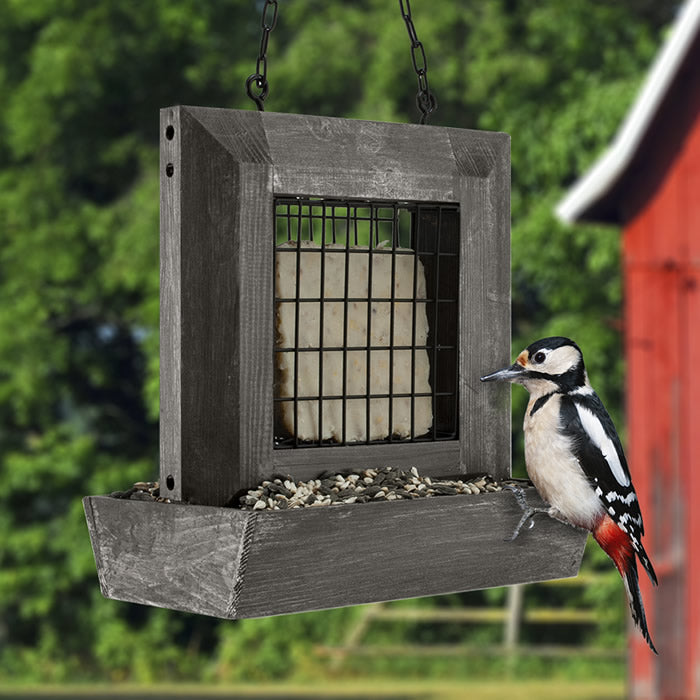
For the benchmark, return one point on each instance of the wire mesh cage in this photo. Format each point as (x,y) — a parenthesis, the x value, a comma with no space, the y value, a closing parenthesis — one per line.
(366,315)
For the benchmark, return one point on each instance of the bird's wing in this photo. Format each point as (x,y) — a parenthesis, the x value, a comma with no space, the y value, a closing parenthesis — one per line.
(597,447)
(599,452)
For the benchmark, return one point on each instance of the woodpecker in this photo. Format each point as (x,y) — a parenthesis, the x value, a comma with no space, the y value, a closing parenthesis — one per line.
(575,460)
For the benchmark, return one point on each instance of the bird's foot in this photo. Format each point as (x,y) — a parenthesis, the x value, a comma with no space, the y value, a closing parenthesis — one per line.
(528,511)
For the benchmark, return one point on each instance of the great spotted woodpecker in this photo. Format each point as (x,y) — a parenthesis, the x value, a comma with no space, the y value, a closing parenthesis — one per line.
(575,460)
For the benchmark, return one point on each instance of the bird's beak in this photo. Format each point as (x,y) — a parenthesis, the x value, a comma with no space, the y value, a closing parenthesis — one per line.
(507,374)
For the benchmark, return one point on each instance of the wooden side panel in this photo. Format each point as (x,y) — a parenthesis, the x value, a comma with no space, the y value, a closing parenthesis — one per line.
(217,293)
(230,563)
(167,555)
(484,165)
(170,304)
(381,552)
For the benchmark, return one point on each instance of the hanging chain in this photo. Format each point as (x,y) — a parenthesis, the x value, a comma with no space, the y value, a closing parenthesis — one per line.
(425,100)
(259,78)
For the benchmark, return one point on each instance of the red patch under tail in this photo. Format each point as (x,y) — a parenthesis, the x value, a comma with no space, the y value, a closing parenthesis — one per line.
(618,546)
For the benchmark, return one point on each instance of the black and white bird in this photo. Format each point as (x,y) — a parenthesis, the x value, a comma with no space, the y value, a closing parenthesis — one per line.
(575,460)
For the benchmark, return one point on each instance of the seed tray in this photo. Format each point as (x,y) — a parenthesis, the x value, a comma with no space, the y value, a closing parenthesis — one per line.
(234,563)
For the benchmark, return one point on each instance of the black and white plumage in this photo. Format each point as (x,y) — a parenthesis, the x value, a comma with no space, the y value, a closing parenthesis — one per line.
(575,460)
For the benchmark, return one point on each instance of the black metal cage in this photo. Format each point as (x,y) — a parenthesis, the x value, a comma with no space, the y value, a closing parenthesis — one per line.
(366,322)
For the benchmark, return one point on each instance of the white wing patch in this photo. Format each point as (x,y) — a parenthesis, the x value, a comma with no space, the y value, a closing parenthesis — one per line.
(599,438)
(614,496)
(625,517)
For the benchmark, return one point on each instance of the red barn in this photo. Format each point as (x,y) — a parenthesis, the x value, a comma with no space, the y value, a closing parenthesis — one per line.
(649,183)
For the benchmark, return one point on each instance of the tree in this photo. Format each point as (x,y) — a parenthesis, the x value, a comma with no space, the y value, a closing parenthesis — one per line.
(81,84)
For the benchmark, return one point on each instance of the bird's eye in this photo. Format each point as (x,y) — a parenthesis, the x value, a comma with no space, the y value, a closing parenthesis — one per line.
(539,357)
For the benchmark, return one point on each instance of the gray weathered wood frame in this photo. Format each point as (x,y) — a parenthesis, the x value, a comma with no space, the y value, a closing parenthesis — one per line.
(220,172)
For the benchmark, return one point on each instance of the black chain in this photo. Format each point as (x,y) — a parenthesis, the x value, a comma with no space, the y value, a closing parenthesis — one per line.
(259,78)
(425,100)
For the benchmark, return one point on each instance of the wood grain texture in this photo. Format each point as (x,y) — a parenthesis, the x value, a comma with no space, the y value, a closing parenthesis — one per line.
(211,308)
(170,305)
(166,555)
(430,458)
(217,328)
(231,563)
(485,285)
(218,288)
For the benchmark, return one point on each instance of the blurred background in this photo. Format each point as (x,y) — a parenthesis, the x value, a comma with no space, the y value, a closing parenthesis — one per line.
(81,84)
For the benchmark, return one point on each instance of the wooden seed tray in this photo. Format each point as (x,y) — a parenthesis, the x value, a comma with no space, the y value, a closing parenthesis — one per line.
(233,563)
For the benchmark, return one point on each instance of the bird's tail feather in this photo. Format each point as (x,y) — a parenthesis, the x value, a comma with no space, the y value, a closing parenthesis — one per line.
(634,596)
(646,563)
(618,546)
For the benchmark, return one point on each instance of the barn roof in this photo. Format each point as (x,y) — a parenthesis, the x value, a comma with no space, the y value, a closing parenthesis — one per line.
(595,197)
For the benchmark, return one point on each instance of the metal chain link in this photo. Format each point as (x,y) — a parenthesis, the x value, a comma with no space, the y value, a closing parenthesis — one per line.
(259,78)
(425,100)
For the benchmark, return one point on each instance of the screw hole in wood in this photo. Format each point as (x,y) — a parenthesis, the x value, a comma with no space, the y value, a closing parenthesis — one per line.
(170,132)
(169,169)
(170,482)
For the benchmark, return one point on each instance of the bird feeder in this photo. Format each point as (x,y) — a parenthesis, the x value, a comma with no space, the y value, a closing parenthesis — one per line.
(331,291)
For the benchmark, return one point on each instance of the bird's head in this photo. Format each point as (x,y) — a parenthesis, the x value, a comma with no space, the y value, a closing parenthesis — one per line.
(550,364)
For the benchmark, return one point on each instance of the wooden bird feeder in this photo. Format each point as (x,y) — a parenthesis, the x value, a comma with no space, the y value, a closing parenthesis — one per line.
(331,291)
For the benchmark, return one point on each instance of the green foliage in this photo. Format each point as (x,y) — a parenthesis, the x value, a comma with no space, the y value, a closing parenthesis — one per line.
(81,84)
(279,647)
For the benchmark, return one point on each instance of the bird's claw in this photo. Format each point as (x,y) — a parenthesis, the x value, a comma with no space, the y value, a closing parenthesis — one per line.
(528,511)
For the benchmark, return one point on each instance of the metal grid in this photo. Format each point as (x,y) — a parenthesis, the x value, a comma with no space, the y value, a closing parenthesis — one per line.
(339,266)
